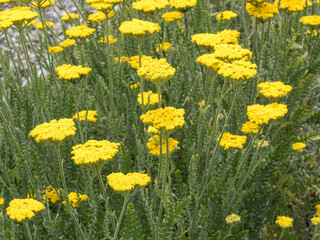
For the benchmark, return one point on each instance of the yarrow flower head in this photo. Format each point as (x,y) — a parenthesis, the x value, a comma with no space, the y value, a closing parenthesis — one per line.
(54,131)
(94,154)
(71,72)
(153,145)
(231,52)
(315,220)
(101,6)
(41,26)
(233,218)
(183,5)
(284,221)
(42,4)
(67,43)
(51,195)
(312,20)
(318,209)
(172,16)
(262,114)
(24,209)
(55,49)
(81,31)
(149,97)
(226,15)
(1,201)
(76,198)
(150,6)
(69,16)
(97,17)
(166,120)
(164,47)
(19,16)
(111,39)
(84,115)
(294,5)
(299,146)
(210,61)
(139,28)
(250,127)
(263,11)
(134,61)
(124,183)
(232,141)
(157,71)
(239,70)
(274,89)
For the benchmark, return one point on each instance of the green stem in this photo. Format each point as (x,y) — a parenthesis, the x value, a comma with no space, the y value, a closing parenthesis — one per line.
(124,208)
(285,45)
(211,88)
(26,224)
(60,162)
(141,79)
(76,100)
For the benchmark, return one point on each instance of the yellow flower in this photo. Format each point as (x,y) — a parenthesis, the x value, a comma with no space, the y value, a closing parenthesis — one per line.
(154,146)
(112,39)
(315,220)
(226,15)
(183,5)
(238,70)
(54,131)
(81,31)
(39,25)
(250,127)
(166,120)
(1,201)
(157,71)
(274,89)
(75,198)
(42,4)
(164,46)
(69,16)
(231,52)
(262,114)
(18,15)
(70,72)
(232,141)
(264,11)
(114,2)
(284,222)
(138,27)
(294,5)
(123,183)
(149,98)
(233,218)
(86,115)
(210,61)
(101,6)
(97,17)
(299,146)
(94,154)
(51,195)
(67,43)
(318,210)
(134,61)
(5,24)
(150,6)
(153,131)
(134,86)
(314,32)
(23,209)
(55,49)
(172,16)
(313,20)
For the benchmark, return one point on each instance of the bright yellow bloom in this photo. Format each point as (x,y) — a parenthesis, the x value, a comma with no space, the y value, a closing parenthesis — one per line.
(164,46)
(313,20)
(166,120)
(39,25)
(133,86)
(153,130)
(172,16)
(318,209)
(70,72)
(1,201)
(294,5)
(149,98)
(112,39)
(226,15)
(232,141)
(18,15)
(262,114)
(150,6)
(134,61)
(54,131)
(69,16)
(5,24)
(238,70)
(284,222)
(231,52)
(97,17)
(114,2)
(55,49)
(42,4)
(250,127)
(264,11)
(138,27)
(210,61)
(233,218)
(67,43)
(274,89)
(75,198)
(315,220)
(308,32)
(183,5)
(94,154)
(154,146)
(157,71)
(51,195)
(24,209)
(81,31)
(299,146)
(101,6)
(123,183)
(86,115)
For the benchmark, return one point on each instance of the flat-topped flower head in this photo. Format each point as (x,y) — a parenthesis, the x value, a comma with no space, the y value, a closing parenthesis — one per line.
(150,6)
(154,145)
(263,11)
(294,5)
(70,16)
(81,31)
(67,43)
(134,61)
(233,218)
(71,72)
(84,115)
(183,5)
(315,220)
(226,15)
(312,20)
(94,154)
(210,61)
(124,183)
(262,114)
(239,70)
(250,127)
(139,28)
(164,47)
(284,221)
(157,71)
(76,198)
(42,4)
(166,120)
(54,131)
(19,16)
(24,209)
(51,195)
(101,6)
(55,49)
(172,16)
(97,17)
(274,89)
(153,131)
(299,146)
(231,52)
(1,201)
(41,26)
(149,98)
(5,24)
(232,141)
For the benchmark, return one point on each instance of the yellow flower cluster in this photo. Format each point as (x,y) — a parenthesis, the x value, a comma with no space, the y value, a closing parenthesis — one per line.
(226,15)
(84,115)
(164,46)
(122,183)
(138,27)
(81,31)
(299,146)
(153,131)
(111,39)
(67,43)
(23,209)
(233,218)
(154,145)
(183,5)
(157,71)
(69,16)
(94,154)
(17,16)
(5,24)
(70,72)
(262,114)
(149,98)
(75,198)
(166,119)
(231,52)
(39,25)
(134,86)
(315,220)
(97,17)
(232,141)
(172,16)
(51,195)
(238,70)
(134,61)
(101,6)
(312,20)
(55,49)
(294,5)
(1,201)
(264,11)
(274,89)
(250,127)
(314,33)
(284,222)
(150,6)
(54,131)
(42,4)
(318,210)
(210,61)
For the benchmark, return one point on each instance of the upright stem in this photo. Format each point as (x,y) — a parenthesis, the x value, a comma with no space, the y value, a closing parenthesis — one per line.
(285,45)
(60,161)
(124,208)
(26,224)
(141,79)
(77,110)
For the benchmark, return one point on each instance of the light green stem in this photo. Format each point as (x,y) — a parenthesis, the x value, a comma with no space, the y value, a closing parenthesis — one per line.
(124,208)
(26,224)
(141,79)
